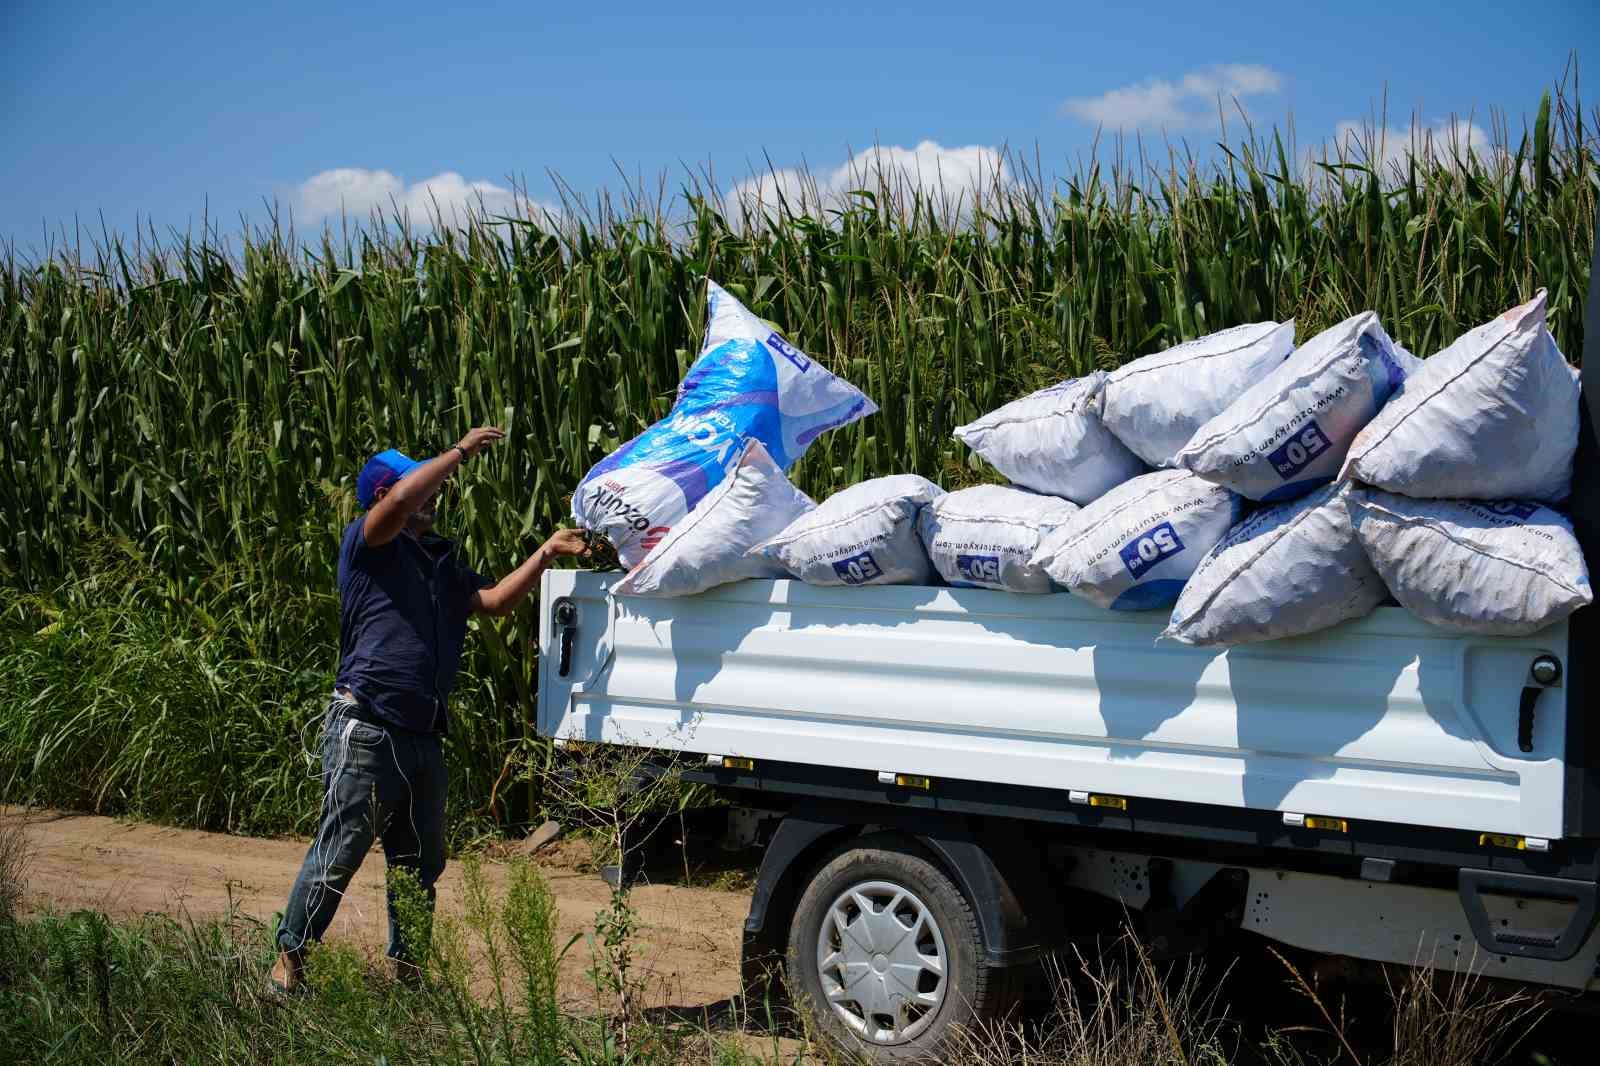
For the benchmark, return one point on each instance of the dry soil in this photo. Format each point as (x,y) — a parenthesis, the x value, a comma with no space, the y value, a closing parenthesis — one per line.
(687,949)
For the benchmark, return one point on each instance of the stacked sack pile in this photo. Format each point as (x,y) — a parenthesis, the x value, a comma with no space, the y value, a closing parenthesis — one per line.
(1256,489)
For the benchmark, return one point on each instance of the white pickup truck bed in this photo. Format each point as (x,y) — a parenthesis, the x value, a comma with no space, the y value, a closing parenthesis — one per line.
(1386,719)
(911,759)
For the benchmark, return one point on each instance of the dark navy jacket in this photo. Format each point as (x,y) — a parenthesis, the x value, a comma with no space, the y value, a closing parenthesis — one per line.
(403,611)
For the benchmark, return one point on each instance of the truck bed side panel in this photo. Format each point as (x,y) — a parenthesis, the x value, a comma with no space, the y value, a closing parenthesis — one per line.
(1385,719)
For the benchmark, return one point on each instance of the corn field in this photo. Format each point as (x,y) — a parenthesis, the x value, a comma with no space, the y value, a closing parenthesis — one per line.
(185,418)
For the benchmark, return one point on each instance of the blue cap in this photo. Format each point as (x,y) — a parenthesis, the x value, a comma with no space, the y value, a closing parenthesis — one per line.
(381,471)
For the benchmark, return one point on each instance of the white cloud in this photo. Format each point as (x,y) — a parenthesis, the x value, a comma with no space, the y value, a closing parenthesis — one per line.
(954,177)
(1156,103)
(449,197)
(795,188)
(1448,140)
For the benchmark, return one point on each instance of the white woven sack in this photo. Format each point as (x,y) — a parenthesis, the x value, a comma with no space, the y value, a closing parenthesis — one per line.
(1053,441)
(708,546)
(985,537)
(1289,432)
(1493,416)
(1284,571)
(863,535)
(1494,568)
(1135,547)
(1155,403)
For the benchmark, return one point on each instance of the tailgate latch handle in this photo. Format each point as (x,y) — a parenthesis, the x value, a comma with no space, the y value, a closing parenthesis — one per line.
(565,613)
(1545,671)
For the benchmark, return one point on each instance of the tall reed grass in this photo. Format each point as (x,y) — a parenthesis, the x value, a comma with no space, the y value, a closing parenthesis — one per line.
(184,419)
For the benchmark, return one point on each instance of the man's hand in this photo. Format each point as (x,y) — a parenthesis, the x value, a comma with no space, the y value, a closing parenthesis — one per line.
(478,439)
(567,542)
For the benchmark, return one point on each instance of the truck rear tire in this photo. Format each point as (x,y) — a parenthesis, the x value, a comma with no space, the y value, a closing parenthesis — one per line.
(885,954)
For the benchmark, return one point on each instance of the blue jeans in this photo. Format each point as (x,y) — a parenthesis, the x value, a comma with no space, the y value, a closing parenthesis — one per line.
(376,782)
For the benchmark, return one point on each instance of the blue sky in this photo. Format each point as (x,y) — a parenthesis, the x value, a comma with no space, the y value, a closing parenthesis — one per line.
(155,110)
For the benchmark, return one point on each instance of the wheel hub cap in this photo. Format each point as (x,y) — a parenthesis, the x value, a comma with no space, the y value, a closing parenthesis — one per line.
(882,960)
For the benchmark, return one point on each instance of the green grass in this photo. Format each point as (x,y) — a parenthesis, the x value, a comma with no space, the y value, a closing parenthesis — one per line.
(184,420)
(78,988)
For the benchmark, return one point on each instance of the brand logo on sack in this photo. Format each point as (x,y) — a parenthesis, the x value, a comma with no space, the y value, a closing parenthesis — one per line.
(1149,548)
(1513,509)
(712,430)
(979,568)
(610,504)
(858,569)
(1298,451)
(789,352)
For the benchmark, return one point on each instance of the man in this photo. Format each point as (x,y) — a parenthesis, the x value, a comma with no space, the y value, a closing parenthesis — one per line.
(405,598)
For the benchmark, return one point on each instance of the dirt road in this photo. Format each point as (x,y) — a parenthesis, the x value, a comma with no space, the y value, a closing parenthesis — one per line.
(688,948)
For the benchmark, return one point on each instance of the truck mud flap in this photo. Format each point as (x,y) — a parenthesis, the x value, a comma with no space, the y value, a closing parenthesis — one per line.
(1523,943)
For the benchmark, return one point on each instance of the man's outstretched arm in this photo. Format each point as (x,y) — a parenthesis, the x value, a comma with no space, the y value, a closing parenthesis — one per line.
(503,597)
(390,514)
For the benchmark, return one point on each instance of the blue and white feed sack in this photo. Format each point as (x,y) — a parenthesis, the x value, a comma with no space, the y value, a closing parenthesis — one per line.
(709,546)
(1488,567)
(1155,403)
(863,535)
(1135,548)
(1288,434)
(985,536)
(1493,416)
(748,382)
(1053,441)
(1285,571)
